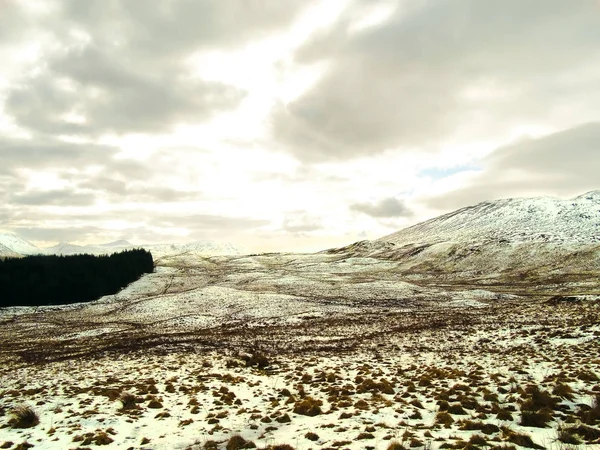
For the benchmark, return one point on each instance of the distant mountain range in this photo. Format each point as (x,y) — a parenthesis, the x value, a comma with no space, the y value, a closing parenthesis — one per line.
(503,241)
(13,245)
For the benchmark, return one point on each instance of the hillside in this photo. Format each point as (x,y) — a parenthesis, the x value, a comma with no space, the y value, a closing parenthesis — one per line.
(536,241)
(513,220)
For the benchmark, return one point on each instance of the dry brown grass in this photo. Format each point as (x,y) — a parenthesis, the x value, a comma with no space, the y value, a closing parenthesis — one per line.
(23,417)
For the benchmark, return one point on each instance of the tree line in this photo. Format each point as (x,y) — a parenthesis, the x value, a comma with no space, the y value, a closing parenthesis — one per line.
(58,280)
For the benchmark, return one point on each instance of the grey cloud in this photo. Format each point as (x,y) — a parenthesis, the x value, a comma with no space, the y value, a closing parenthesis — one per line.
(105,183)
(131,74)
(47,153)
(159,194)
(203,222)
(387,207)
(299,223)
(401,84)
(113,95)
(64,197)
(147,229)
(575,151)
(564,164)
(13,21)
(180,26)
(113,179)
(57,234)
(121,189)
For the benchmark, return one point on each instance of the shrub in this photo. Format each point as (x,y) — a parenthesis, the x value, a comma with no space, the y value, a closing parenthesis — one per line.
(504,414)
(256,359)
(365,435)
(128,401)
(485,428)
(538,419)
(311,436)
(457,409)
(574,434)
(308,407)
(524,440)
(563,390)
(566,435)
(237,442)
(590,415)
(443,418)
(395,445)
(537,399)
(478,440)
(154,403)
(24,417)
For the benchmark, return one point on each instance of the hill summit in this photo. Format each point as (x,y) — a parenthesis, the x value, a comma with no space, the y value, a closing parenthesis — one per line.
(544,219)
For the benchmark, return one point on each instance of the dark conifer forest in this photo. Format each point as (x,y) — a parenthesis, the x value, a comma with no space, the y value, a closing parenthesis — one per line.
(58,280)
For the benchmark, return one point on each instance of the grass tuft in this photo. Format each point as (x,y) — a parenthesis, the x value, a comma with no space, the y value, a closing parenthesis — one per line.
(24,417)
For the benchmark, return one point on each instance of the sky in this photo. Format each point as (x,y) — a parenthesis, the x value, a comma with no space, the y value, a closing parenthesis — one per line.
(291,125)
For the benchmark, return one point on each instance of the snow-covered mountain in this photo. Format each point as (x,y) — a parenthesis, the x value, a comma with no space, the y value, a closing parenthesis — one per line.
(519,240)
(13,245)
(542,219)
(200,247)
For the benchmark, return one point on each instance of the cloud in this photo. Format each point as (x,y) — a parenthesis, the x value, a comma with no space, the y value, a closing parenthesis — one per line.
(113,66)
(208,222)
(105,92)
(58,197)
(46,152)
(63,234)
(177,27)
(387,207)
(437,69)
(300,223)
(121,189)
(564,164)
(13,21)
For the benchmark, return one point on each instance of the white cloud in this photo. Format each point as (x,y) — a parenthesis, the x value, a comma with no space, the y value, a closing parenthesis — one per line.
(287,125)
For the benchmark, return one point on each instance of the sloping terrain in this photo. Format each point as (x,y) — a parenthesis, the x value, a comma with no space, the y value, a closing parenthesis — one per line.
(428,338)
(513,220)
(527,242)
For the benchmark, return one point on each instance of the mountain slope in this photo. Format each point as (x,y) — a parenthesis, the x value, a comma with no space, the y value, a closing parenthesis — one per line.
(534,241)
(13,245)
(514,220)
(200,247)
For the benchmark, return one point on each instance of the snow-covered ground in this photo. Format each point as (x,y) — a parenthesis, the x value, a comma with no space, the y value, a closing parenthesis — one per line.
(438,337)
(428,385)
(377,354)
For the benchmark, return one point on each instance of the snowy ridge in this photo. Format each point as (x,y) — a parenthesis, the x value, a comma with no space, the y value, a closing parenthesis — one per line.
(13,245)
(541,219)
(200,247)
